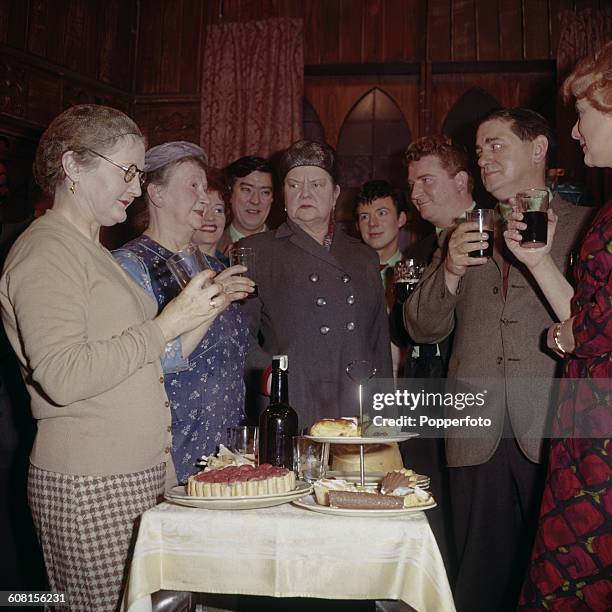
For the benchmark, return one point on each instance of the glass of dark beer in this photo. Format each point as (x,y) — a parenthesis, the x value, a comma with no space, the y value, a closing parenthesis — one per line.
(485,217)
(406,275)
(533,203)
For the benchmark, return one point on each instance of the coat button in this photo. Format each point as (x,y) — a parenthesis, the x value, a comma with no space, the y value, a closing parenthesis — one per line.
(161,380)
(169,428)
(166,403)
(314,277)
(321,301)
(499,360)
(350,300)
(350,326)
(324,329)
(167,450)
(346,278)
(495,290)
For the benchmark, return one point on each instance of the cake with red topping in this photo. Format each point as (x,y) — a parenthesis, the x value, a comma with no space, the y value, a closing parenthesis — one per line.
(241,481)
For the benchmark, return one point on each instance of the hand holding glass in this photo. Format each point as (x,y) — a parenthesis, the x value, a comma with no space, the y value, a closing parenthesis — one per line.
(187,263)
(533,203)
(244,256)
(486,223)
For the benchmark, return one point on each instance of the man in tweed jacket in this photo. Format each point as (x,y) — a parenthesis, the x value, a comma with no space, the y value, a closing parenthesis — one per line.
(498,317)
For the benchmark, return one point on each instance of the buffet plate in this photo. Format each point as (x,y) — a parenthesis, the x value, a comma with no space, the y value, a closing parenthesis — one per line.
(365,440)
(372,478)
(310,503)
(177,495)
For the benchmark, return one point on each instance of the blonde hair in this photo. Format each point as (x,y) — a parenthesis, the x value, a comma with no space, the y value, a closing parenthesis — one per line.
(79,129)
(592,79)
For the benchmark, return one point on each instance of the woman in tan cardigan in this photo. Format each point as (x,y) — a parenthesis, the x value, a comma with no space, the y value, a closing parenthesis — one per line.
(89,345)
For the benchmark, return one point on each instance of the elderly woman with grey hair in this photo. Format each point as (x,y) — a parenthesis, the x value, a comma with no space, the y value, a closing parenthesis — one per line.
(320,299)
(89,343)
(203,369)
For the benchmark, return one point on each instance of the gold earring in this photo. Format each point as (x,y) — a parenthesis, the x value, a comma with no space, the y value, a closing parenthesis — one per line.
(73,187)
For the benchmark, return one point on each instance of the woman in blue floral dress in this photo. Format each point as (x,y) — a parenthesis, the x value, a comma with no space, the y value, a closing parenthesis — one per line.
(203,369)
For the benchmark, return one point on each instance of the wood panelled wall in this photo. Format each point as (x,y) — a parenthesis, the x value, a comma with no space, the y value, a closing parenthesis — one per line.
(53,54)
(144,56)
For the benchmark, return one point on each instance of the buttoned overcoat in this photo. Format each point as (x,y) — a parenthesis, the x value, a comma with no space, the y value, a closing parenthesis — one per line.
(324,309)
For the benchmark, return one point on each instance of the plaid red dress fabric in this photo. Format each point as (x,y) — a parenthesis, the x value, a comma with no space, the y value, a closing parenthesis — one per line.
(572,556)
(85,525)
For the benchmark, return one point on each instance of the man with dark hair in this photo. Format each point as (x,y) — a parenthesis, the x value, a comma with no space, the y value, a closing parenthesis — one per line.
(380,213)
(496,317)
(251,197)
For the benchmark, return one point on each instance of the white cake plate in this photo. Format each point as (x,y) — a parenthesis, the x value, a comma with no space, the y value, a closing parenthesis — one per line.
(177,495)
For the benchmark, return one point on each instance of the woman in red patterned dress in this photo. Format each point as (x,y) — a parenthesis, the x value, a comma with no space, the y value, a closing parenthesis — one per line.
(572,553)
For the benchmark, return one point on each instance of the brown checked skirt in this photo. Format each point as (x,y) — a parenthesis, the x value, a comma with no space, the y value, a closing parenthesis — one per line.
(86,526)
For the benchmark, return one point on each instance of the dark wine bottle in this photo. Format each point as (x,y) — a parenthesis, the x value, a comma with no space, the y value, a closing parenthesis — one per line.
(278,423)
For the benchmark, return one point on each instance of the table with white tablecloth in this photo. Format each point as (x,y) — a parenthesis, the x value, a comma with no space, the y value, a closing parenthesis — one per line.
(287,551)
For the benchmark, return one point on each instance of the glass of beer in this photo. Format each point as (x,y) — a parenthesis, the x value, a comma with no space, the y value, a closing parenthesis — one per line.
(406,275)
(533,203)
(244,256)
(485,217)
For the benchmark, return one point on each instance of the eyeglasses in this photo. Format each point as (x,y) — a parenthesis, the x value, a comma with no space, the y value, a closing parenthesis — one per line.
(130,171)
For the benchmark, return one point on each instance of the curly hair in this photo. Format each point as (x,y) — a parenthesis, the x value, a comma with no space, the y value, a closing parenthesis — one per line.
(453,157)
(80,128)
(378,189)
(592,79)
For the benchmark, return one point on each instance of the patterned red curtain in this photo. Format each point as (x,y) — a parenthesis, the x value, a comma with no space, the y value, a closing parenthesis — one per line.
(582,33)
(252,88)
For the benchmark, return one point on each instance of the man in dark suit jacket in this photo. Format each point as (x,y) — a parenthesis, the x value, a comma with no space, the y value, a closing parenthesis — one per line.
(497,317)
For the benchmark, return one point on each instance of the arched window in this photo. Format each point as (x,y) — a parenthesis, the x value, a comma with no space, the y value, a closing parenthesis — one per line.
(371,144)
(461,124)
(372,140)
